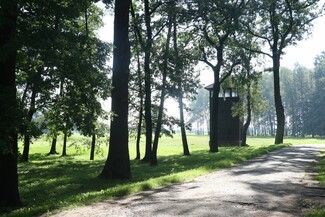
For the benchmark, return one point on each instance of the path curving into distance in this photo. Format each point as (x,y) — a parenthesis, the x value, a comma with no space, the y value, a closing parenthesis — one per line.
(275,184)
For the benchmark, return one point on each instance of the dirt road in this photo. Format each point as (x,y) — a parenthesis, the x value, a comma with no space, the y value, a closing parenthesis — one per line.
(272,185)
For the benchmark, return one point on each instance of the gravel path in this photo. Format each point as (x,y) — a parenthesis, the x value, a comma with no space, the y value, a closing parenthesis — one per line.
(272,185)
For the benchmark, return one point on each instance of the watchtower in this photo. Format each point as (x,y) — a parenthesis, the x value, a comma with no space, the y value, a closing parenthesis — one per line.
(229,127)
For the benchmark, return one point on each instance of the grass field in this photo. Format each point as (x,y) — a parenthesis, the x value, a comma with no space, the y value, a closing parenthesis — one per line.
(51,183)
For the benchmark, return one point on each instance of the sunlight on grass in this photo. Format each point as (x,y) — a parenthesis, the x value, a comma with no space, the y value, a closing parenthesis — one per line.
(49,183)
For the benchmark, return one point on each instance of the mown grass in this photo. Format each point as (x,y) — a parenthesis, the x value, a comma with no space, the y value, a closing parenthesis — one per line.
(319,212)
(52,183)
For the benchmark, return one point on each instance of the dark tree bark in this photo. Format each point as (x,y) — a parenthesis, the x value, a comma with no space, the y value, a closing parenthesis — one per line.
(214,96)
(277,99)
(93,145)
(64,149)
(53,146)
(138,154)
(140,112)
(9,193)
(30,114)
(25,154)
(117,165)
(186,150)
(147,71)
(153,160)
(141,94)
(214,109)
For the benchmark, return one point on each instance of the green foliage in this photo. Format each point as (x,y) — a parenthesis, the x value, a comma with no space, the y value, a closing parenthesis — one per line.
(200,107)
(316,213)
(303,93)
(297,87)
(316,122)
(62,64)
(283,23)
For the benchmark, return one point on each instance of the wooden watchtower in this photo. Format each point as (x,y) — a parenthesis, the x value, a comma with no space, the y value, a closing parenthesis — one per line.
(229,127)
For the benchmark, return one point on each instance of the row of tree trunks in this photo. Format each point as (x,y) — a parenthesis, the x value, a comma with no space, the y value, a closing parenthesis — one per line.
(146,47)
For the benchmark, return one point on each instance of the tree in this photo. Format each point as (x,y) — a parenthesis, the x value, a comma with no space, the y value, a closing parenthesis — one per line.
(184,56)
(251,102)
(200,109)
(68,70)
(316,118)
(9,194)
(298,86)
(30,78)
(280,24)
(136,80)
(91,82)
(117,165)
(152,29)
(178,68)
(268,120)
(218,23)
(164,70)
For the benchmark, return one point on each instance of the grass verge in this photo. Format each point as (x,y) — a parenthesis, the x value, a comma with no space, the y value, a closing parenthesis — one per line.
(321,178)
(53,183)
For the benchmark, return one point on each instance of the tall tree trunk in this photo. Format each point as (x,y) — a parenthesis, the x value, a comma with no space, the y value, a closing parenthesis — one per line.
(93,145)
(23,98)
(53,146)
(138,155)
(162,97)
(137,145)
(25,154)
(147,71)
(9,193)
(186,150)
(214,110)
(278,101)
(271,123)
(117,165)
(294,124)
(249,116)
(29,120)
(64,149)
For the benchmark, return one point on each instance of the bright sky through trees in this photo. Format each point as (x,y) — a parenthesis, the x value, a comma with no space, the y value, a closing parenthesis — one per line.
(304,52)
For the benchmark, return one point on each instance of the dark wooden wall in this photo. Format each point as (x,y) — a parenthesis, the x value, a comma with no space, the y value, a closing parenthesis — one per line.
(229,127)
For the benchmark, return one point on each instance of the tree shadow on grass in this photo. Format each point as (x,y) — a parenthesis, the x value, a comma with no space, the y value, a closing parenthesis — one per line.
(48,183)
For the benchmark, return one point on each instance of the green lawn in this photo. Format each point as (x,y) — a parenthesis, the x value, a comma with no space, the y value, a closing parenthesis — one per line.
(49,183)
